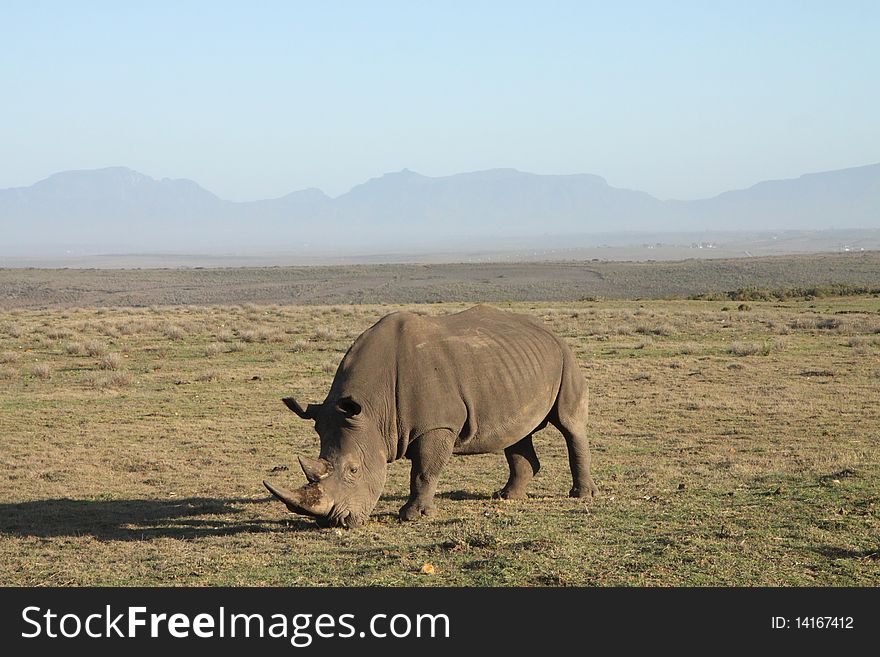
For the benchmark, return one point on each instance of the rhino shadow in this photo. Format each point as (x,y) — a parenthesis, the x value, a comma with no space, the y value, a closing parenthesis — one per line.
(837,552)
(137,519)
(448,495)
(463,495)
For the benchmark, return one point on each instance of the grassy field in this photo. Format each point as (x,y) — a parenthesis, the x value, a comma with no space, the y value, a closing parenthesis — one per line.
(734,444)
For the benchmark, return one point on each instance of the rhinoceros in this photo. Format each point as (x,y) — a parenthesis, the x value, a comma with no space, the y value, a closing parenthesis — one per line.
(425,388)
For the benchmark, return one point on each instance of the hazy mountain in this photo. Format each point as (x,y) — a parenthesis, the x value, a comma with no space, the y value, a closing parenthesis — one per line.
(502,201)
(120,209)
(846,198)
(106,207)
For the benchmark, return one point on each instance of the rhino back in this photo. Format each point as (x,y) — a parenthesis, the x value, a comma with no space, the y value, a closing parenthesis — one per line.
(487,375)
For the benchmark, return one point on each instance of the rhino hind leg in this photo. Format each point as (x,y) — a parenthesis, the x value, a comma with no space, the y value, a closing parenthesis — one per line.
(428,453)
(579,459)
(524,465)
(570,417)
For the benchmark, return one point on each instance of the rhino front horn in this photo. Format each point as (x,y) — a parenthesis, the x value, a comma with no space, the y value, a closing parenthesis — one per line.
(314,469)
(310,500)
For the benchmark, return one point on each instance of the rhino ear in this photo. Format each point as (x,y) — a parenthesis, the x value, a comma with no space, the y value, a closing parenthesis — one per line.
(348,406)
(309,413)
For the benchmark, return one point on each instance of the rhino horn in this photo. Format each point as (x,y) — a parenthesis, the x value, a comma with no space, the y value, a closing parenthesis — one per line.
(310,500)
(314,469)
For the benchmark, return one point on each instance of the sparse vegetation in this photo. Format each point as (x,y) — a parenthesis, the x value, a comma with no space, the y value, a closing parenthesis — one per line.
(808,293)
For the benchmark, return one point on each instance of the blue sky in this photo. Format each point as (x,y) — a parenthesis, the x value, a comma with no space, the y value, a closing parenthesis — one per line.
(253,100)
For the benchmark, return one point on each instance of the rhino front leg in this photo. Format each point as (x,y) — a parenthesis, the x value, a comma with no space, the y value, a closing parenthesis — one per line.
(428,453)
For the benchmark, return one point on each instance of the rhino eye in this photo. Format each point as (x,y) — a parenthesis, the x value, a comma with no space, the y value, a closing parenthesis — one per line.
(353,469)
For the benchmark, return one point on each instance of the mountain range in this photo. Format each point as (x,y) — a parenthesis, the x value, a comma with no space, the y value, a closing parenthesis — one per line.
(122,210)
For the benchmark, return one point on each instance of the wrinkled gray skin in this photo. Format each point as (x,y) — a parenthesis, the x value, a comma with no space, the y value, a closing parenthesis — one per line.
(425,388)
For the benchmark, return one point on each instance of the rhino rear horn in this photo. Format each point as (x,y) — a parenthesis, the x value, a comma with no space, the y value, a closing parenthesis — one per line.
(309,413)
(314,469)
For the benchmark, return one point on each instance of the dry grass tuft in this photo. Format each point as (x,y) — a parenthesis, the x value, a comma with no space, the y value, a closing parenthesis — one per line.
(324,334)
(247,335)
(174,332)
(829,323)
(42,371)
(8,357)
(757,348)
(224,336)
(657,329)
(110,330)
(215,349)
(59,334)
(119,380)
(114,380)
(75,348)
(749,349)
(112,361)
(95,348)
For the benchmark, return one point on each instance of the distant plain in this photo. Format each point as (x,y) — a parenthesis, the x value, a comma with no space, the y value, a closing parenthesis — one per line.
(568,280)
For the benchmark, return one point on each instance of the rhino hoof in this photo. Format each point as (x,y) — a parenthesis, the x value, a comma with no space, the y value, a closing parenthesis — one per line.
(415,511)
(510,494)
(587,492)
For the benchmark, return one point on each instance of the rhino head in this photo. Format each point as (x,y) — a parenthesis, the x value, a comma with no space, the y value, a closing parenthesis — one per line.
(346,480)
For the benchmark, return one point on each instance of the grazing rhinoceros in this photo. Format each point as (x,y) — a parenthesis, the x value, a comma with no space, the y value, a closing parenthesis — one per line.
(425,388)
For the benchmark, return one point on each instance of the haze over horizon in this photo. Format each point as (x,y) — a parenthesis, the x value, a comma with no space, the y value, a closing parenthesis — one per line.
(119,210)
(418,174)
(681,102)
(406,171)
